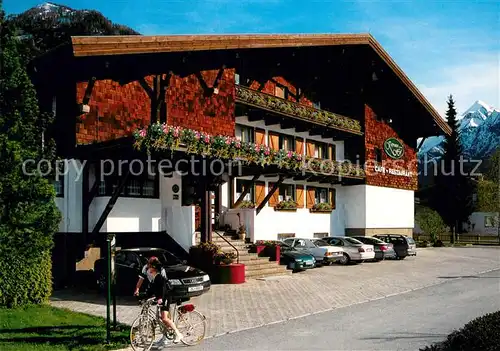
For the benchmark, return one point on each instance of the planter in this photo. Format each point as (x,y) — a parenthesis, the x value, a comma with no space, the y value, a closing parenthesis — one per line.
(242,236)
(274,253)
(320,211)
(285,209)
(261,250)
(230,274)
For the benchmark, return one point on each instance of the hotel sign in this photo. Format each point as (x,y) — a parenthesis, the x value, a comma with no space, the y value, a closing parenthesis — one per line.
(393,171)
(394,148)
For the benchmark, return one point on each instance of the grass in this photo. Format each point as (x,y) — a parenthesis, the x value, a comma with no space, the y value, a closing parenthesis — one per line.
(45,328)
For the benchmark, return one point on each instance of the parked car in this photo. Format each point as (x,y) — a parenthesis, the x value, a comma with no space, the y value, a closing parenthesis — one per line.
(337,251)
(186,281)
(382,249)
(354,250)
(294,259)
(323,255)
(401,244)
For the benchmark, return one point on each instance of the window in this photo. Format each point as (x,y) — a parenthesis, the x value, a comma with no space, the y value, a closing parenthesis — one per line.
(236,78)
(282,236)
(144,185)
(320,236)
(321,150)
(317,105)
(321,196)
(287,142)
(245,134)
(489,221)
(279,91)
(286,192)
(378,155)
(333,156)
(241,185)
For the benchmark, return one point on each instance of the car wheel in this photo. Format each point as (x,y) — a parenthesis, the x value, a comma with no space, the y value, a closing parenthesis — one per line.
(401,257)
(345,259)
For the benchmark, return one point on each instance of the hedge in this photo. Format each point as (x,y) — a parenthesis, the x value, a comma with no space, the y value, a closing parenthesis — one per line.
(480,334)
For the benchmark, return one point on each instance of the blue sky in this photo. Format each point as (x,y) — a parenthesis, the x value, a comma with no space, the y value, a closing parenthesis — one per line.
(443,46)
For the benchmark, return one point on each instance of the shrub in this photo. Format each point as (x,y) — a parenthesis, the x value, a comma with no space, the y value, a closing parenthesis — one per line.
(430,222)
(480,334)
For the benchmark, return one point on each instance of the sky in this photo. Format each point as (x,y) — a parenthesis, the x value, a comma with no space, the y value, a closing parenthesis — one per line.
(445,47)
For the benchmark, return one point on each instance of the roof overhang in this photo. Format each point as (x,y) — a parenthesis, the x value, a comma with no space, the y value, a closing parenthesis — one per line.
(95,46)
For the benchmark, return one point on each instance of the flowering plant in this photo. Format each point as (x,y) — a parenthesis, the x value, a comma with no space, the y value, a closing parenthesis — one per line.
(322,207)
(160,137)
(286,205)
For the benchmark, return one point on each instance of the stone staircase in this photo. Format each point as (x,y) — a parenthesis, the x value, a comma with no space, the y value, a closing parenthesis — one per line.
(255,266)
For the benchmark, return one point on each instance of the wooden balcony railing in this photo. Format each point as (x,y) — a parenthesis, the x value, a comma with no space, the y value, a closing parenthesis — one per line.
(292,109)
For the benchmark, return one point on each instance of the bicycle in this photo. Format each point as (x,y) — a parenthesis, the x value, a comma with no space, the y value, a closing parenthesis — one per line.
(149,320)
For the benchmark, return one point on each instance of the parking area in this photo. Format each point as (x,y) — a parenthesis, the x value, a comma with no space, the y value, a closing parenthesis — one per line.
(231,308)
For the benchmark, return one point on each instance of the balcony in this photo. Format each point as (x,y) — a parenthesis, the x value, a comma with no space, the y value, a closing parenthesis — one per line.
(276,105)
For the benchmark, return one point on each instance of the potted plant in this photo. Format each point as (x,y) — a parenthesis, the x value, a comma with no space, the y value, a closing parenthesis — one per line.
(323,207)
(286,205)
(259,247)
(242,232)
(246,204)
(202,255)
(224,258)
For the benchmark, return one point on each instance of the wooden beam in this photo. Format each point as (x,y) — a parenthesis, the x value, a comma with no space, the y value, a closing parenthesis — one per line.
(111,204)
(88,91)
(270,193)
(269,121)
(287,124)
(301,128)
(246,191)
(315,131)
(255,116)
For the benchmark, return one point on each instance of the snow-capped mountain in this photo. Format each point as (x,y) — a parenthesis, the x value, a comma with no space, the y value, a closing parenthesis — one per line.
(479,128)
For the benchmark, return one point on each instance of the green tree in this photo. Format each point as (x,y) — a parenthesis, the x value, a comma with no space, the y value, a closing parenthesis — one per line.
(488,190)
(452,197)
(493,167)
(430,222)
(28,214)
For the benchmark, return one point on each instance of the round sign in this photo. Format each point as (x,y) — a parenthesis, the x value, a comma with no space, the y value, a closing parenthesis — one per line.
(394,148)
(175,188)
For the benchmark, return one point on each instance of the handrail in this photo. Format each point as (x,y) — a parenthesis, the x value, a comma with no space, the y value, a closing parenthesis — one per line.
(237,252)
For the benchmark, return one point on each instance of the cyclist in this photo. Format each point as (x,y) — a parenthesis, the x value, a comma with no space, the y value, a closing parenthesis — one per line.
(159,288)
(145,274)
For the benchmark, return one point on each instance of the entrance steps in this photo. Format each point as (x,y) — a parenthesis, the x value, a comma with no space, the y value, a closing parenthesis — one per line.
(255,266)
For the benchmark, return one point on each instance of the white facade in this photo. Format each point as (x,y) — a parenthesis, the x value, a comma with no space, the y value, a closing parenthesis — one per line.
(128,214)
(483,223)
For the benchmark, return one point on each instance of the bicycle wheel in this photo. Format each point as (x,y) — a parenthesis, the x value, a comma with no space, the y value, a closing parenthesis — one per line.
(193,326)
(142,333)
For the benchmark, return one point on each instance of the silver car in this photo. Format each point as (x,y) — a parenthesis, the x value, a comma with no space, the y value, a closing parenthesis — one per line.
(323,255)
(354,250)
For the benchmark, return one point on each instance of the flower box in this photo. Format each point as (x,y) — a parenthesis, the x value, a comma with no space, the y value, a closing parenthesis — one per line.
(285,209)
(311,210)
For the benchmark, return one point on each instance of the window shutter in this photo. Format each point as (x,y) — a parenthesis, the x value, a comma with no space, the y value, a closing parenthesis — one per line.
(274,141)
(311,197)
(260,136)
(299,145)
(310,149)
(273,200)
(260,192)
(333,197)
(300,196)
(331,152)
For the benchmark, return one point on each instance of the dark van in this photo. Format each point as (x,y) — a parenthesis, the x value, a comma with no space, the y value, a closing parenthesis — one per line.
(403,245)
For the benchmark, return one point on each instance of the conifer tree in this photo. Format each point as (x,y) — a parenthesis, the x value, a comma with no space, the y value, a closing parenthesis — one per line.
(28,213)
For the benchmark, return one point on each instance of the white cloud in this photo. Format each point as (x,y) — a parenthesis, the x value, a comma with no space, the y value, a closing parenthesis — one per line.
(472,80)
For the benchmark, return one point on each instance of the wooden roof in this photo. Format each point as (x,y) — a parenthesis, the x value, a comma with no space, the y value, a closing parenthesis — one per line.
(126,45)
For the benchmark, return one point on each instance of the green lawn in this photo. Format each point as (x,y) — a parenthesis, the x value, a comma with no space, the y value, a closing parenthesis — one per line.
(45,328)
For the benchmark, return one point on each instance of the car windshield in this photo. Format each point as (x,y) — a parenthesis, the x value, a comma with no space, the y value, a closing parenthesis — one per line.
(321,243)
(164,256)
(352,241)
(410,240)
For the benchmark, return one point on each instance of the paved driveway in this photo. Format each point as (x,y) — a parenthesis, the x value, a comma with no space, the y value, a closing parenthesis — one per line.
(231,308)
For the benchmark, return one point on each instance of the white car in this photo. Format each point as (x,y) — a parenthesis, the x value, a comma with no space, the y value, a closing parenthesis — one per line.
(354,250)
(323,254)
